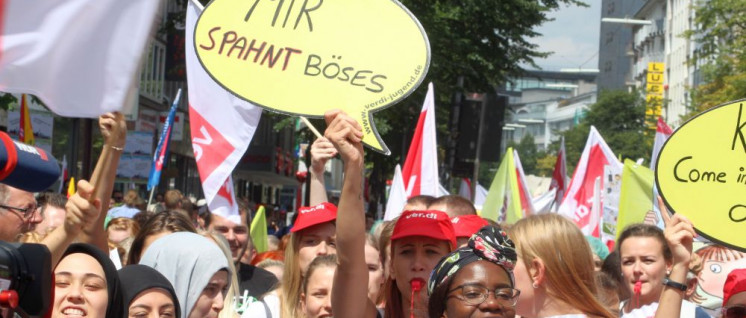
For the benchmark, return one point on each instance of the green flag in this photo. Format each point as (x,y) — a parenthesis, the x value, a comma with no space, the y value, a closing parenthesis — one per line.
(259,231)
(635,200)
(504,194)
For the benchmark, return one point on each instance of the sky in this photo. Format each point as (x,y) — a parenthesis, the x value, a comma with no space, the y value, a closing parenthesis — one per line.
(572,36)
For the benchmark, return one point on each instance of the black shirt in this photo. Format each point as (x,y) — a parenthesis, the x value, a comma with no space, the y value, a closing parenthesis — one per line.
(256,280)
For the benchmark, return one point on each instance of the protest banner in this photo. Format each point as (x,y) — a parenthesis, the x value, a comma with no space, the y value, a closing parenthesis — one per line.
(306,57)
(701,173)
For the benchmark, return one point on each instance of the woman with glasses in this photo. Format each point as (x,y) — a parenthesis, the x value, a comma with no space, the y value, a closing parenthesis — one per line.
(477,279)
(554,271)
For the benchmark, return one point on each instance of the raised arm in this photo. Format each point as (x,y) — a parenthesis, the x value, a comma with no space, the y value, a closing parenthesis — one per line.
(81,213)
(350,280)
(321,151)
(114,130)
(679,236)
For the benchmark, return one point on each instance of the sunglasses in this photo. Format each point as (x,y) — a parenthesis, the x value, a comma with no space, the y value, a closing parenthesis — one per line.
(737,311)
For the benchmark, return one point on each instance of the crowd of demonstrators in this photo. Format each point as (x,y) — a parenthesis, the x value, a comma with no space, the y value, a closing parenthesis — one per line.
(439,258)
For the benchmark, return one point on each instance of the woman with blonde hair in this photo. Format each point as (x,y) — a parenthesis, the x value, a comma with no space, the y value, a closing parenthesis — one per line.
(312,235)
(554,271)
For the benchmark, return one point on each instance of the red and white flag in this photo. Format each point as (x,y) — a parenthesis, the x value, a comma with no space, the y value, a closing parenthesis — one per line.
(526,200)
(559,176)
(80,57)
(578,202)
(222,127)
(662,132)
(420,172)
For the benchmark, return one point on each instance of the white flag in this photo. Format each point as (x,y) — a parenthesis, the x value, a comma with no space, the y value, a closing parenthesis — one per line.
(80,57)
(397,196)
(420,171)
(222,127)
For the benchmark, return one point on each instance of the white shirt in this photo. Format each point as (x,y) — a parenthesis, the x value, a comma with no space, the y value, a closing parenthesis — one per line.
(257,309)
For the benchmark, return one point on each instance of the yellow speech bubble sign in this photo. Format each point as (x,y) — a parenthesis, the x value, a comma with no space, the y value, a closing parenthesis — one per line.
(701,173)
(304,57)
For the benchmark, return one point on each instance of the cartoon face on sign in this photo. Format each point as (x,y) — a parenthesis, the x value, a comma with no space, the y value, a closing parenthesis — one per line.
(305,57)
(701,173)
(717,262)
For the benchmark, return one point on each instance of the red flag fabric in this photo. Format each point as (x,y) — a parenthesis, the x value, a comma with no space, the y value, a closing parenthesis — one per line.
(662,132)
(559,176)
(222,127)
(420,172)
(578,202)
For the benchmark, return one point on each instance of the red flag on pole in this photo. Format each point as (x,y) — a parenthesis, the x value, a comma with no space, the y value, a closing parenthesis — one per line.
(420,172)
(559,176)
(578,202)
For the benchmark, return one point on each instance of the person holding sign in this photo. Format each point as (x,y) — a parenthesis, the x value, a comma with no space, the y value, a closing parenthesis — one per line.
(654,266)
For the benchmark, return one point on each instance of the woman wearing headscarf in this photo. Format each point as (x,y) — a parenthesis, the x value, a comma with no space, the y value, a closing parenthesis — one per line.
(475,279)
(86,284)
(197,269)
(147,293)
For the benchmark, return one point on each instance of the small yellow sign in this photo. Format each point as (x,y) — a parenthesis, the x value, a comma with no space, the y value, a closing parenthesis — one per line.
(701,173)
(655,78)
(306,57)
(655,89)
(655,67)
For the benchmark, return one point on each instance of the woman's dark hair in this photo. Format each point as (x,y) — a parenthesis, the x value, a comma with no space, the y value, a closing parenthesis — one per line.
(438,299)
(645,230)
(612,267)
(166,221)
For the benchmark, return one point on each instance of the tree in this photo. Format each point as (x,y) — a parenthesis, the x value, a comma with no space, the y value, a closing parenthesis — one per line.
(619,116)
(527,152)
(720,35)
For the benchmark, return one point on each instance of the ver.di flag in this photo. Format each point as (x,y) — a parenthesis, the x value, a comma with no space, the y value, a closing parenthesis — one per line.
(578,202)
(420,171)
(161,152)
(222,126)
(80,57)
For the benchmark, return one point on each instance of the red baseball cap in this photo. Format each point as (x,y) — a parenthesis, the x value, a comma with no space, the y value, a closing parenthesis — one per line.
(309,216)
(734,284)
(466,225)
(432,223)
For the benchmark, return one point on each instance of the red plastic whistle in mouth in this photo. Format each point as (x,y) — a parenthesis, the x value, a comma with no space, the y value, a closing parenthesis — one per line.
(417,284)
(638,287)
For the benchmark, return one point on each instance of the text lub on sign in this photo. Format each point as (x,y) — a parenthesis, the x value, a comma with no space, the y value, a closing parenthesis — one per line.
(701,173)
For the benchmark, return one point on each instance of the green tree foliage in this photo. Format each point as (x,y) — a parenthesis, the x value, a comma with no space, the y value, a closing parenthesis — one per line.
(528,153)
(619,118)
(720,27)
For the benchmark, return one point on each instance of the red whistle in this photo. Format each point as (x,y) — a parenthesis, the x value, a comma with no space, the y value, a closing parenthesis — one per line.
(417,284)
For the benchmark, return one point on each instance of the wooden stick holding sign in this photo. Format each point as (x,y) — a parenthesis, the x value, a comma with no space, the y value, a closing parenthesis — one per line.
(311,127)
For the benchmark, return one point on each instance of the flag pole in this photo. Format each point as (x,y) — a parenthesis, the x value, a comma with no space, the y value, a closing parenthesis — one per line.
(151,197)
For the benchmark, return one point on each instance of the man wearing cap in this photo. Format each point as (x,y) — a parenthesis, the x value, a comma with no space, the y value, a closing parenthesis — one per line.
(453,205)
(253,281)
(465,226)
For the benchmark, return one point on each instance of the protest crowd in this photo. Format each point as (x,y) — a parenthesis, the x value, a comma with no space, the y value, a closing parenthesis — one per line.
(438,258)
(109,253)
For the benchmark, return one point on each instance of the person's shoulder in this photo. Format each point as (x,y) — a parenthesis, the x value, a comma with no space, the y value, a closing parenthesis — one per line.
(257,281)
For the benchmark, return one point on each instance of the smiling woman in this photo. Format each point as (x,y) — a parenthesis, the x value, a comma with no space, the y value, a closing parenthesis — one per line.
(86,284)
(463,283)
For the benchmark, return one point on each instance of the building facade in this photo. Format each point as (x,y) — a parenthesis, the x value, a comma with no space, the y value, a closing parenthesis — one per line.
(614,49)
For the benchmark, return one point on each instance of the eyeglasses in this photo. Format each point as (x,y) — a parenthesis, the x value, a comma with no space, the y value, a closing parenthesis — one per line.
(737,311)
(27,212)
(475,295)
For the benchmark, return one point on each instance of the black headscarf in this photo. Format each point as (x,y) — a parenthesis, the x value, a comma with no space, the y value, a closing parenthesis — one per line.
(489,243)
(114,308)
(138,278)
